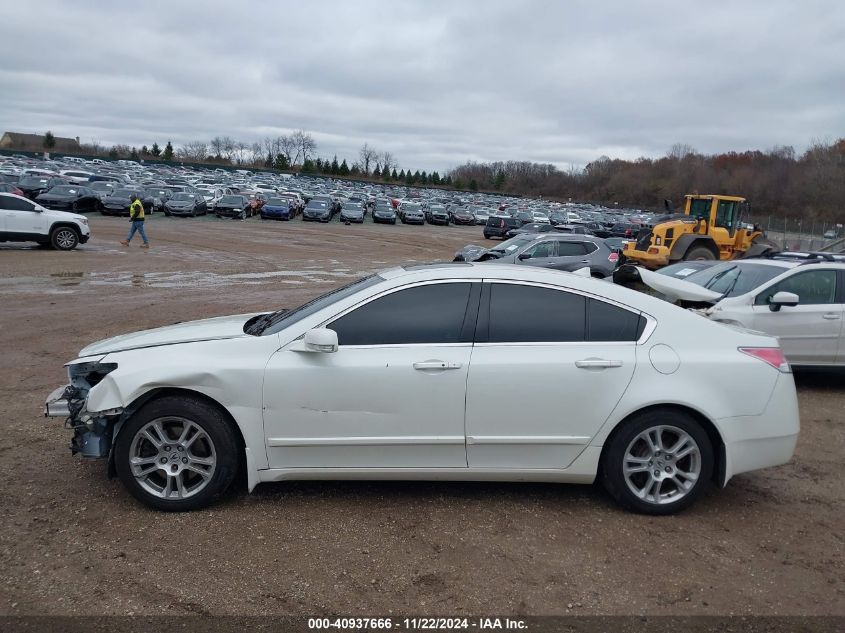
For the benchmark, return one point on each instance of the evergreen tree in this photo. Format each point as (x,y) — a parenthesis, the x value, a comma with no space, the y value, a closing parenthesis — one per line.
(308,166)
(168,151)
(423,178)
(343,170)
(156,150)
(448,181)
(415,177)
(499,182)
(281,162)
(145,151)
(355,171)
(335,166)
(133,155)
(459,183)
(435,178)
(402,175)
(473,185)
(318,166)
(394,175)
(113,154)
(49,140)
(385,173)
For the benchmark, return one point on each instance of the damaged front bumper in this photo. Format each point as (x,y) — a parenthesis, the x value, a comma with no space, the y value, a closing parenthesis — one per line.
(93,431)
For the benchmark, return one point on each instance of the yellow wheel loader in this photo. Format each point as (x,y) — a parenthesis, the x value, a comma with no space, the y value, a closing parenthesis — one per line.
(709,228)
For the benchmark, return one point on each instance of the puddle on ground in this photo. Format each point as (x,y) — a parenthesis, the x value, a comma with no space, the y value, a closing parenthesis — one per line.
(65,282)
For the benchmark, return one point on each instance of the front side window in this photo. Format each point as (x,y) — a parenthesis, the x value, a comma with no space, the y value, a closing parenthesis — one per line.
(429,314)
(813,287)
(542,249)
(529,314)
(15,204)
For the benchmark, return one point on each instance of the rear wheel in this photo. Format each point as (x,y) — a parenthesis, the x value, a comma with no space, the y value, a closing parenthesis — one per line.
(658,463)
(177,454)
(64,238)
(700,253)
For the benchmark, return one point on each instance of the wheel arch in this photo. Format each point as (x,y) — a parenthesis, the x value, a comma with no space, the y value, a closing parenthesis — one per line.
(688,241)
(244,468)
(64,224)
(720,465)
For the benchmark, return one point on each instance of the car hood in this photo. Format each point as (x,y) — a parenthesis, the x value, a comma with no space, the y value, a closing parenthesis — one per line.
(188,332)
(671,287)
(55,197)
(470,253)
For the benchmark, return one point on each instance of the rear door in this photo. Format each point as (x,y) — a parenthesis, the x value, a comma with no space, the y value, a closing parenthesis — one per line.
(570,252)
(810,333)
(548,368)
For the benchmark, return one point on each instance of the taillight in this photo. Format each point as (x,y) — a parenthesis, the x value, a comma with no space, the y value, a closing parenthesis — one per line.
(627,232)
(613,257)
(771,355)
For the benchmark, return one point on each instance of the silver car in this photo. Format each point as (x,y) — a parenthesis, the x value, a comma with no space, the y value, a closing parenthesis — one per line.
(560,252)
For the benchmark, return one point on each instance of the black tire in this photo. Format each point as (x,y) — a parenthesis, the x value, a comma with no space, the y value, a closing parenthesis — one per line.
(613,461)
(64,238)
(200,413)
(699,253)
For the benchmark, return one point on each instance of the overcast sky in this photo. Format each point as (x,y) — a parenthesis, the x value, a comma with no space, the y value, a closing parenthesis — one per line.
(436,83)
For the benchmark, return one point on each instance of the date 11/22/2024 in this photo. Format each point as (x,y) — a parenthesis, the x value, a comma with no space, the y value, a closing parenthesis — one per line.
(418,624)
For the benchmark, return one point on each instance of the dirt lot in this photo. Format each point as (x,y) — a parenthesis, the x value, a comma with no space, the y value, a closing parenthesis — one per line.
(73,542)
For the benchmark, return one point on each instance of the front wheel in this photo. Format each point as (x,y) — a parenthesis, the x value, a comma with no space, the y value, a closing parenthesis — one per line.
(177,454)
(64,238)
(658,463)
(699,254)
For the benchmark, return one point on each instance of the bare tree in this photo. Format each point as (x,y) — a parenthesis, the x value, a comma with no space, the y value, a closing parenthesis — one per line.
(193,151)
(367,155)
(389,161)
(304,144)
(257,156)
(287,147)
(228,145)
(217,146)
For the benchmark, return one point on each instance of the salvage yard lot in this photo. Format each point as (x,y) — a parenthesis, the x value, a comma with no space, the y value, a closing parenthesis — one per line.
(73,542)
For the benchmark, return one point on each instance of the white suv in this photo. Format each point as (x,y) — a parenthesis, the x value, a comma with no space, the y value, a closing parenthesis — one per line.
(798,297)
(23,220)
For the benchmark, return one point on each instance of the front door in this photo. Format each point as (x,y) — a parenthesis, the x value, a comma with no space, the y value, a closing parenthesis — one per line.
(392,396)
(548,368)
(20,219)
(809,333)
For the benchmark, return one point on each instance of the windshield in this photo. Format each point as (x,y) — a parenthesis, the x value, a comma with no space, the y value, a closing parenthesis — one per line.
(721,277)
(123,192)
(509,246)
(29,181)
(231,200)
(317,204)
(64,190)
(182,196)
(277,321)
(277,202)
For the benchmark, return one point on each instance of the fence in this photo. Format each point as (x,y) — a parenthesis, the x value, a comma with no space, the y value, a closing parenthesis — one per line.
(797,234)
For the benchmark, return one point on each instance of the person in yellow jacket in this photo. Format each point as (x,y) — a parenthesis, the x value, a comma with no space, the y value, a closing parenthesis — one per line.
(136,217)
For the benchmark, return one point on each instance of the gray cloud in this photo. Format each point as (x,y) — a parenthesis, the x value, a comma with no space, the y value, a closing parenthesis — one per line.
(436,83)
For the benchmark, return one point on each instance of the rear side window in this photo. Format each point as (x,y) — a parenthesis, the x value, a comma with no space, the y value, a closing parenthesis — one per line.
(529,314)
(431,314)
(570,249)
(607,322)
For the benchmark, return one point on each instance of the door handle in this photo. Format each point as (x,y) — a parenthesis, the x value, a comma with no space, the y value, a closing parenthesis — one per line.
(436,364)
(832,316)
(597,363)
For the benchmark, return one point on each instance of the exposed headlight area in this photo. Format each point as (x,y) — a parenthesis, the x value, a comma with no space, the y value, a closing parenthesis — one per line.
(92,430)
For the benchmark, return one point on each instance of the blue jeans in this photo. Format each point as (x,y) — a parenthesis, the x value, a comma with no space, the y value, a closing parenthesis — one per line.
(137,226)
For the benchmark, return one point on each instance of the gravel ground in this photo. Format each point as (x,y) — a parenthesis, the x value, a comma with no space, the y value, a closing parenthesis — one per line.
(74,542)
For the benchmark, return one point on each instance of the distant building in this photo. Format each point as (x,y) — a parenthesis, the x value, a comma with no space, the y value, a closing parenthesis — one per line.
(35,142)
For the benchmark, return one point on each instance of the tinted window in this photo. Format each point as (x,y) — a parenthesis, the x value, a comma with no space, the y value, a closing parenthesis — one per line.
(15,204)
(570,249)
(543,249)
(522,314)
(590,247)
(723,277)
(813,287)
(424,314)
(606,322)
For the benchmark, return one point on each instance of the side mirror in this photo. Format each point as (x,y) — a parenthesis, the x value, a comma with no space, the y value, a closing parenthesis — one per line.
(524,256)
(781,299)
(321,340)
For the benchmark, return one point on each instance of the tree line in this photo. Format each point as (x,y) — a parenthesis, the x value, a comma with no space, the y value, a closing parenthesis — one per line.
(777,181)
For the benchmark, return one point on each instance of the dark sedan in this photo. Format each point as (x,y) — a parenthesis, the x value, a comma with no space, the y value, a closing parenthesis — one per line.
(352,212)
(531,227)
(628,230)
(118,202)
(277,208)
(186,204)
(462,215)
(318,210)
(384,213)
(34,186)
(412,214)
(70,198)
(232,206)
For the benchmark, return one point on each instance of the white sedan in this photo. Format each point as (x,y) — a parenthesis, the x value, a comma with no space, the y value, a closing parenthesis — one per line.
(412,373)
